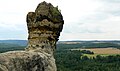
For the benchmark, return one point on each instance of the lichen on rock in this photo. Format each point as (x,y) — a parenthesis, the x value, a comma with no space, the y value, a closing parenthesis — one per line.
(44,27)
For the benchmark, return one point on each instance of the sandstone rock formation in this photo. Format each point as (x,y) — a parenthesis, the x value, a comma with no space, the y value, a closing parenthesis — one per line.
(44,27)
(26,61)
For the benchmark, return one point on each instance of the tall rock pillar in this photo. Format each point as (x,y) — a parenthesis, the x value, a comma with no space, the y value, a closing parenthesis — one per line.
(44,27)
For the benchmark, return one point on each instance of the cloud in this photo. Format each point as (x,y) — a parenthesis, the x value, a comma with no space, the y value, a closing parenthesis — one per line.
(110,1)
(74,10)
(89,36)
(84,19)
(102,23)
(13,17)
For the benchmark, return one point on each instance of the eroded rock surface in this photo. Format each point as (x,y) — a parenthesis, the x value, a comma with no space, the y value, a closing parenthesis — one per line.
(26,61)
(44,27)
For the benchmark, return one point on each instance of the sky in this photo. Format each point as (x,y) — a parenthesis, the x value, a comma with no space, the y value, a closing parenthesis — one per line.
(84,19)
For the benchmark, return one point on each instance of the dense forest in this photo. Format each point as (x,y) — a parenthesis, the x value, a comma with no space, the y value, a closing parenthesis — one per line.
(4,47)
(73,60)
(68,60)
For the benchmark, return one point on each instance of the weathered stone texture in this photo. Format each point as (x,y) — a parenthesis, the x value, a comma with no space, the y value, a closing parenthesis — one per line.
(26,61)
(44,27)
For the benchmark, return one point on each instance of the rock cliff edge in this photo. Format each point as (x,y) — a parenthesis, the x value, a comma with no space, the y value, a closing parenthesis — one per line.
(44,27)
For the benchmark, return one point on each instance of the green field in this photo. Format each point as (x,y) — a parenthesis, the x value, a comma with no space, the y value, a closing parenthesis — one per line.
(100,51)
(94,55)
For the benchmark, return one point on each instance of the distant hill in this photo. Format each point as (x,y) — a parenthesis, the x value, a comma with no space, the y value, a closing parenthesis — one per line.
(83,43)
(8,45)
(16,42)
(87,44)
(11,45)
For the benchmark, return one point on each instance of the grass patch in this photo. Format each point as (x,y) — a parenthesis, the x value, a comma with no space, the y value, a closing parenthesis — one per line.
(94,55)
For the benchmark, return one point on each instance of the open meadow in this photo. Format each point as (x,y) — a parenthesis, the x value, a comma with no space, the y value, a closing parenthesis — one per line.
(100,51)
(109,51)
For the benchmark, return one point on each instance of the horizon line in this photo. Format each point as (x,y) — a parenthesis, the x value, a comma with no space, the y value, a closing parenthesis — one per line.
(76,40)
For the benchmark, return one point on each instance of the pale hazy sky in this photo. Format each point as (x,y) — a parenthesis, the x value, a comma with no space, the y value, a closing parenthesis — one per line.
(84,19)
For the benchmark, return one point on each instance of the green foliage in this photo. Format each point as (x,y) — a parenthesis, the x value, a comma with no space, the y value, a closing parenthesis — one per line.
(74,61)
(55,11)
(68,60)
(87,52)
(56,14)
(4,47)
(89,44)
